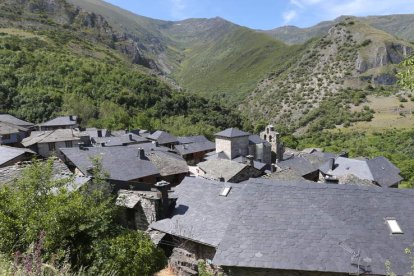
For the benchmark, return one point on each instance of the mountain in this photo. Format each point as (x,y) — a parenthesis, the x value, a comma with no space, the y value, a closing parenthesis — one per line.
(340,63)
(56,59)
(335,72)
(211,57)
(401,25)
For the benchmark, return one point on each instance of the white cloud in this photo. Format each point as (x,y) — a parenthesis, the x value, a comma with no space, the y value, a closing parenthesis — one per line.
(289,16)
(330,9)
(178,9)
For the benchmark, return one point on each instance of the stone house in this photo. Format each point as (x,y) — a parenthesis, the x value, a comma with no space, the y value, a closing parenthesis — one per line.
(138,166)
(233,143)
(7,118)
(61,122)
(263,227)
(163,138)
(228,170)
(11,155)
(47,143)
(379,171)
(11,134)
(194,151)
(141,208)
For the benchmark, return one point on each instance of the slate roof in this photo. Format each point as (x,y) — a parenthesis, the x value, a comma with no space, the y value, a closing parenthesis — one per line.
(217,168)
(122,163)
(168,163)
(232,132)
(51,136)
(255,139)
(295,225)
(9,153)
(258,165)
(201,214)
(7,128)
(10,173)
(7,118)
(298,163)
(192,139)
(310,227)
(163,137)
(61,121)
(384,172)
(93,132)
(129,198)
(286,175)
(195,147)
(122,140)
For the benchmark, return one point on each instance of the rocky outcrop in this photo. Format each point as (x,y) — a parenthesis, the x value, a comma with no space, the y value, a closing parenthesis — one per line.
(381,55)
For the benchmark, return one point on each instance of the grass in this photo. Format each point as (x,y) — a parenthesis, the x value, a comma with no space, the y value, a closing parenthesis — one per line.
(387,114)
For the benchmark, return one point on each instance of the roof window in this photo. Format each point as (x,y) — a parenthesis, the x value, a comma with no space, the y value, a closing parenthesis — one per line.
(394,226)
(225,191)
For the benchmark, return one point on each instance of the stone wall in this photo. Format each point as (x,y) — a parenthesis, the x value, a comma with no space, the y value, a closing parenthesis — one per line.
(241,271)
(223,145)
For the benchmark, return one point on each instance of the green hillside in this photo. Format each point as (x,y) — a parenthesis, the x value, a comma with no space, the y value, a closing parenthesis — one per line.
(48,68)
(211,57)
(401,25)
(333,74)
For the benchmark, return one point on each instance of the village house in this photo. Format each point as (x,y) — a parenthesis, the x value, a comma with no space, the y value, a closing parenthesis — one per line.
(122,140)
(11,134)
(138,166)
(194,148)
(233,143)
(7,118)
(163,138)
(11,155)
(318,166)
(263,227)
(141,208)
(47,143)
(61,122)
(379,171)
(8,174)
(228,170)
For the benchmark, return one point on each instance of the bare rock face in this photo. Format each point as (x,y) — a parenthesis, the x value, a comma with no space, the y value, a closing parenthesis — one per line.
(382,54)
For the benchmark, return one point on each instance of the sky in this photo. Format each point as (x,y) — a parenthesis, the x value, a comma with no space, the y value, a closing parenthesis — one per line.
(264,14)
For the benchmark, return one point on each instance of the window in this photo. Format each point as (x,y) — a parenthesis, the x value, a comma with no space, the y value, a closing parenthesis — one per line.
(225,191)
(52,146)
(270,138)
(394,226)
(68,144)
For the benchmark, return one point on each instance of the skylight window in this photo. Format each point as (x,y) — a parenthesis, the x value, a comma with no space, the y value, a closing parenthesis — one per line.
(225,191)
(394,226)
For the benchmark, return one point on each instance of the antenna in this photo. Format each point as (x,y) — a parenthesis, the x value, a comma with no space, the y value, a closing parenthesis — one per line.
(362,265)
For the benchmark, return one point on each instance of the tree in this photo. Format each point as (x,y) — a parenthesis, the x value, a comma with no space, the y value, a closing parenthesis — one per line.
(406,75)
(75,226)
(131,253)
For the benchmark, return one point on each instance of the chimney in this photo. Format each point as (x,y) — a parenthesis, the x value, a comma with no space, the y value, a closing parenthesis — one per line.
(130,137)
(71,118)
(273,167)
(155,143)
(141,153)
(221,179)
(81,146)
(332,163)
(162,187)
(99,133)
(250,160)
(126,131)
